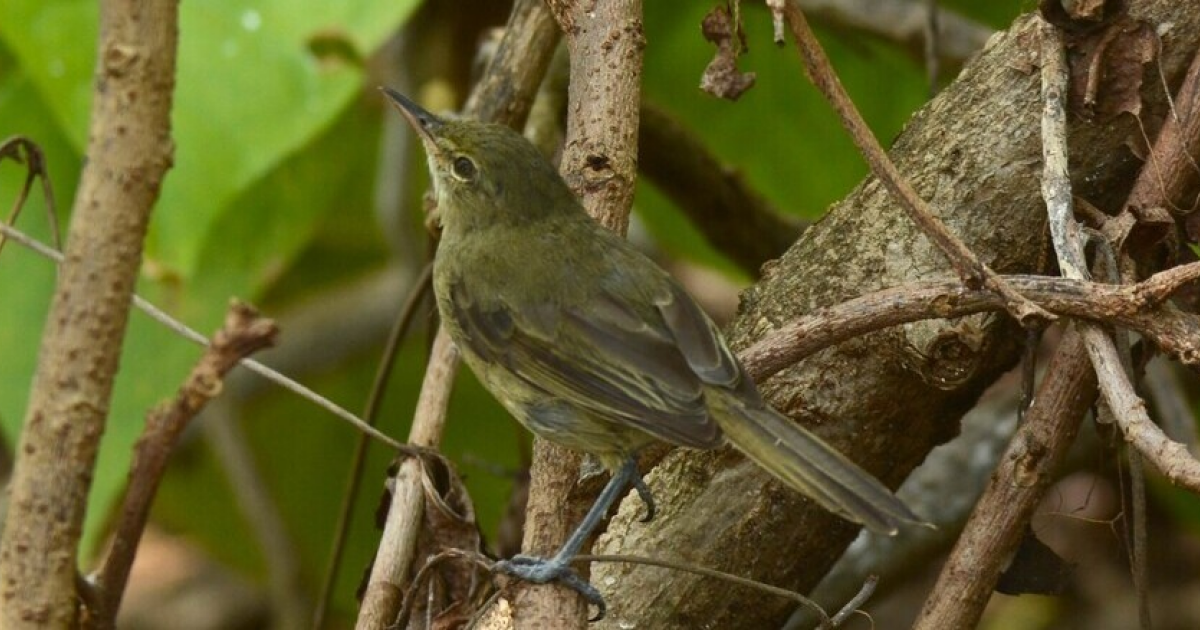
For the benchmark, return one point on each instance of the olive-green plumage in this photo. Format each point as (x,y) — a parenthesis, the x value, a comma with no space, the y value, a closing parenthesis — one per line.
(588,342)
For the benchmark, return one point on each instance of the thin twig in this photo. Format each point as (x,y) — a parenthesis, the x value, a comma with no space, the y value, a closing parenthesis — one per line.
(383,374)
(973,272)
(1138,560)
(190,334)
(1110,270)
(932,45)
(1173,331)
(856,602)
(826,622)
(426,572)
(243,333)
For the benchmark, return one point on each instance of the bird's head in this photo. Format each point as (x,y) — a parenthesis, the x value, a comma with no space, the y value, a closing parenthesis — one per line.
(484,174)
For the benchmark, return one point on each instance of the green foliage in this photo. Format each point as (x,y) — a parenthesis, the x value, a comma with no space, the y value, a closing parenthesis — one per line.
(303,458)
(249,92)
(249,95)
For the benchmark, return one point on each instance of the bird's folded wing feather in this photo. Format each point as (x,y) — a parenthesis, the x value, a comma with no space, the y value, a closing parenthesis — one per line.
(607,358)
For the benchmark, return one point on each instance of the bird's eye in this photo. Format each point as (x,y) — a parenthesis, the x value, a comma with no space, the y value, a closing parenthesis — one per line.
(464,168)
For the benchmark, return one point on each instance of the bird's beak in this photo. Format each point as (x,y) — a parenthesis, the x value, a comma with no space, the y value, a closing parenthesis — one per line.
(425,124)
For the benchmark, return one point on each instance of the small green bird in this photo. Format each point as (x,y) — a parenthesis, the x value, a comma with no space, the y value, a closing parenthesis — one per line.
(592,345)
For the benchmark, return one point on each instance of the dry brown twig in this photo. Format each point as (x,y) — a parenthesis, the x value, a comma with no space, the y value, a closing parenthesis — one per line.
(1168,457)
(973,272)
(243,334)
(129,152)
(1136,307)
(999,519)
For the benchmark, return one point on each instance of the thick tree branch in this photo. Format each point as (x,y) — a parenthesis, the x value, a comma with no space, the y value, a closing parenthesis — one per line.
(35,168)
(129,152)
(885,399)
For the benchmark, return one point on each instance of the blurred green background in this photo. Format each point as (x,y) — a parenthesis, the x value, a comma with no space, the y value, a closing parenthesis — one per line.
(277,198)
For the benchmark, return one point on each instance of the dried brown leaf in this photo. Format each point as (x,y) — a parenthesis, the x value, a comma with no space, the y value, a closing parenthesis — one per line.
(722,78)
(449,523)
(1108,66)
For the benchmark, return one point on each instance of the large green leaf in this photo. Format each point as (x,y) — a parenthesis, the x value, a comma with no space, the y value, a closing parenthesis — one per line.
(255,174)
(250,90)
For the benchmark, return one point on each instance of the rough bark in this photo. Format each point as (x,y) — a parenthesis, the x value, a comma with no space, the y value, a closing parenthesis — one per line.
(974,154)
(129,151)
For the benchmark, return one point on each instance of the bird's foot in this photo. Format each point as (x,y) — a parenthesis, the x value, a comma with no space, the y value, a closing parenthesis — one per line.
(544,570)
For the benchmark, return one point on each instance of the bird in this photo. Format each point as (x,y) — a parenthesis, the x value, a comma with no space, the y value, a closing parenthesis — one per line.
(590,344)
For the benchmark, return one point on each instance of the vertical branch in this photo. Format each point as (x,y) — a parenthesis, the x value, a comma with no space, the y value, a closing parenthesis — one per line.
(129,152)
(1056,180)
(599,162)
(405,515)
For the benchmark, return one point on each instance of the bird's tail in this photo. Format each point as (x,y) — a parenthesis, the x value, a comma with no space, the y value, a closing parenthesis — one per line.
(809,465)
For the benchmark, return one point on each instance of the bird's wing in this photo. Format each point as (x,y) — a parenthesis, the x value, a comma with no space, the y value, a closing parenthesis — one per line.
(609,359)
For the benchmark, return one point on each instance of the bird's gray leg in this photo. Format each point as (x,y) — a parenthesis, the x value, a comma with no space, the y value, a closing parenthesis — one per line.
(558,568)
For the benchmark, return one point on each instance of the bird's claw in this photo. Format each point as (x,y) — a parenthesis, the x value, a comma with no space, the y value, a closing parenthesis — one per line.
(644,494)
(543,570)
